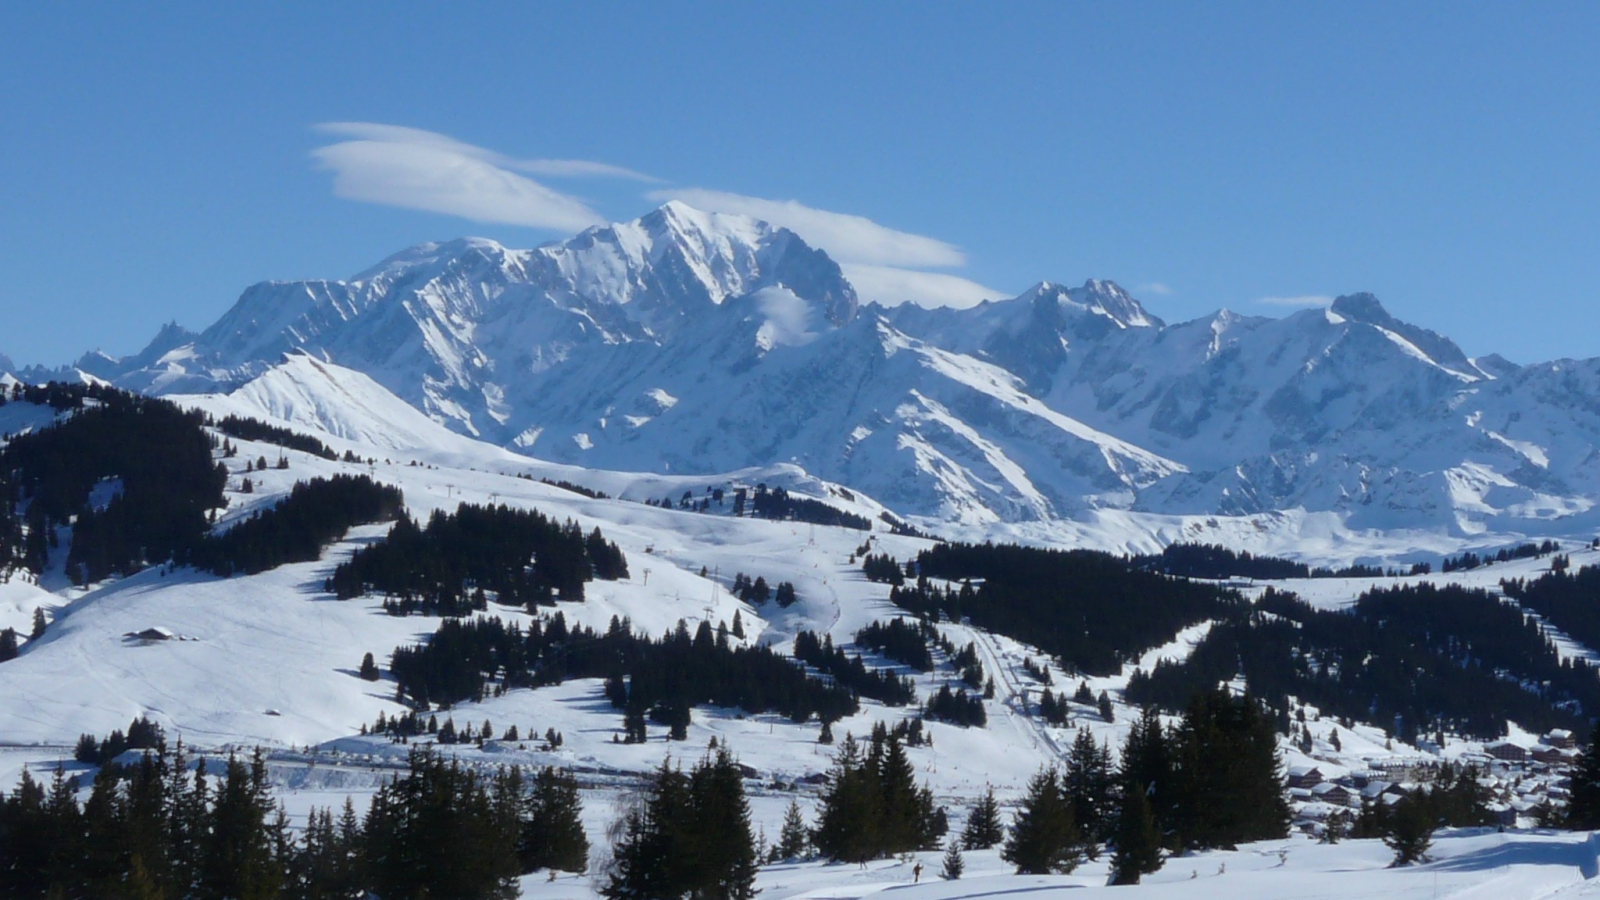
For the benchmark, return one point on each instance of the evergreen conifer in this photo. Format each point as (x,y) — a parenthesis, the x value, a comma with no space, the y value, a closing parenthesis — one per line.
(1138,846)
(1044,839)
(984,828)
(954,865)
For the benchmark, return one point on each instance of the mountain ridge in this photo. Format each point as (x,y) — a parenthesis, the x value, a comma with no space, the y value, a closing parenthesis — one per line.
(689,341)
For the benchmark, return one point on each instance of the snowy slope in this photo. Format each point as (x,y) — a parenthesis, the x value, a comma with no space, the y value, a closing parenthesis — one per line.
(932,455)
(270,659)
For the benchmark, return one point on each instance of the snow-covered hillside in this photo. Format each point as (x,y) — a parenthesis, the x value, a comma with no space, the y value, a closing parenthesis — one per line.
(271,659)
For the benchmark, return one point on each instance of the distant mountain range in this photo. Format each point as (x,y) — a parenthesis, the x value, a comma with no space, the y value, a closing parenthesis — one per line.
(692,342)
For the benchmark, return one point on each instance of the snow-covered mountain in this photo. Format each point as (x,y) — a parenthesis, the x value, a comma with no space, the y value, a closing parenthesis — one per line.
(691,342)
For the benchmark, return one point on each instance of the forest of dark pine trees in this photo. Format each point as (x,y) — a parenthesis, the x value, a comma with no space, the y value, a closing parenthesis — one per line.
(851,673)
(1090,610)
(1569,600)
(159,827)
(135,480)
(778,503)
(299,527)
(247,429)
(1418,659)
(132,476)
(655,679)
(459,561)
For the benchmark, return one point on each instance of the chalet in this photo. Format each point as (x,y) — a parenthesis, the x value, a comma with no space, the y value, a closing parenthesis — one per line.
(1550,755)
(1303,776)
(1328,792)
(1507,751)
(1561,739)
(1384,790)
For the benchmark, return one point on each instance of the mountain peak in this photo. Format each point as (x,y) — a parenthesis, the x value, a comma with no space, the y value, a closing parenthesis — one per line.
(681,219)
(1364,309)
(1096,297)
(1361,307)
(433,253)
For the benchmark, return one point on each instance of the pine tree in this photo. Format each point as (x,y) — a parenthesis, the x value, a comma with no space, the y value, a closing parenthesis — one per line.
(633,724)
(443,831)
(726,862)
(1147,760)
(238,856)
(907,812)
(1229,780)
(1372,819)
(954,865)
(794,838)
(369,668)
(8,645)
(1044,838)
(1087,784)
(641,853)
(848,819)
(984,828)
(1411,825)
(1336,826)
(688,836)
(551,835)
(39,624)
(1138,846)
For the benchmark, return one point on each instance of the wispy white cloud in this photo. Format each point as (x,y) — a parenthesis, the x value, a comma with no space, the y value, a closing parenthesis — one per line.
(845,237)
(892,286)
(551,168)
(416,169)
(1156,288)
(1302,300)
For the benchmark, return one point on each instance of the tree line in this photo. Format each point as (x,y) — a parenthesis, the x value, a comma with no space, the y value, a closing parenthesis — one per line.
(1090,610)
(299,527)
(133,477)
(248,429)
(779,504)
(899,640)
(1214,561)
(1569,600)
(851,673)
(165,828)
(1425,658)
(656,678)
(162,827)
(451,566)
(1469,560)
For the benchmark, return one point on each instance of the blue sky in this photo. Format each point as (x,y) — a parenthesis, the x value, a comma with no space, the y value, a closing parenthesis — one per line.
(1443,156)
